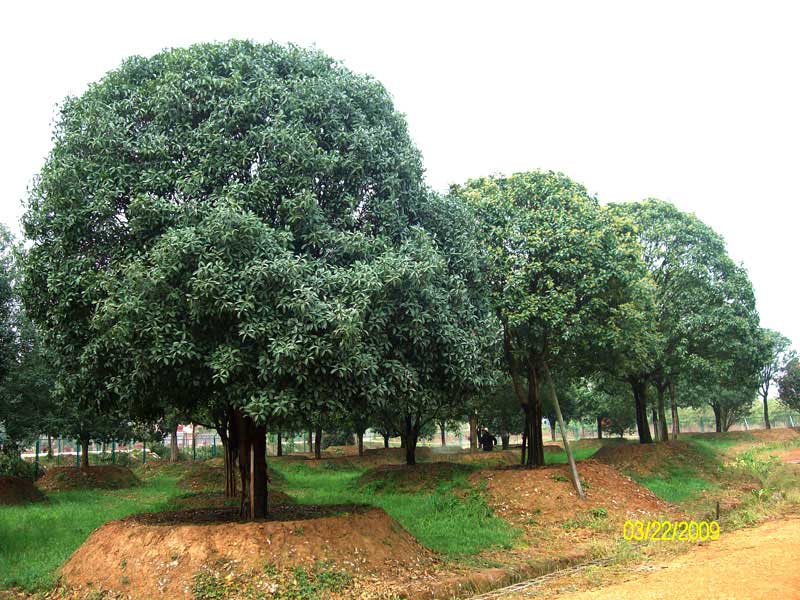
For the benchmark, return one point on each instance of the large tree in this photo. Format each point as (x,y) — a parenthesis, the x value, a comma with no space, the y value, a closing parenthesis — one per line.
(557,273)
(270,173)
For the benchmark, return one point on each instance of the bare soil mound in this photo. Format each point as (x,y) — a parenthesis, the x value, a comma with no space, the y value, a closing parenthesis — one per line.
(17,490)
(649,459)
(545,496)
(57,479)
(421,477)
(143,557)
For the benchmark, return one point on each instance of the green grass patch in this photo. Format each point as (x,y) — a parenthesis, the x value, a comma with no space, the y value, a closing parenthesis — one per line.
(560,458)
(452,517)
(677,487)
(36,539)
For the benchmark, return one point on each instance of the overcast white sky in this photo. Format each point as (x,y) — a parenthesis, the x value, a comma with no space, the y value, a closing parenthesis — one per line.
(695,103)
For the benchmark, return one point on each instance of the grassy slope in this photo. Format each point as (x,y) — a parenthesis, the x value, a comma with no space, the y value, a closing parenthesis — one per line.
(452,518)
(36,539)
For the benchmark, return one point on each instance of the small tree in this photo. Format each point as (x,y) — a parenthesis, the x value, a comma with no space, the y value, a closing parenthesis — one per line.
(775,353)
(789,385)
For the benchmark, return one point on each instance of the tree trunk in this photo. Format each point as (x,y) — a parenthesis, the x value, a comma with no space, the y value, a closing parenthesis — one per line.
(534,420)
(576,480)
(252,467)
(386,440)
(599,428)
(84,451)
(640,399)
(402,440)
(318,442)
(279,449)
(525,439)
(504,438)
(49,446)
(673,403)
(360,437)
(717,418)
(444,434)
(173,445)
(766,413)
(663,435)
(654,417)
(411,435)
(310,440)
(552,423)
(473,432)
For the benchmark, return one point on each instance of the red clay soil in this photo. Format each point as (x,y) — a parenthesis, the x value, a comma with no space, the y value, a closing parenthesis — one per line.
(58,479)
(547,496)
(749,564)
(16,490)
(792,456)
(142,559)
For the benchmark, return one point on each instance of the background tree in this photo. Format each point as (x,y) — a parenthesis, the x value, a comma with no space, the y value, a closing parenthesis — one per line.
(705,306)
(775,353)
(789,385)
(556,272)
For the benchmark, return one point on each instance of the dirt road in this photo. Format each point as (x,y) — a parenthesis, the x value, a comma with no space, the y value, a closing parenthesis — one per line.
(749,564)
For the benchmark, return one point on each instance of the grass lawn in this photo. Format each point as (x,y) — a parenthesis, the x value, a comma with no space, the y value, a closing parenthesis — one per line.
(36,539)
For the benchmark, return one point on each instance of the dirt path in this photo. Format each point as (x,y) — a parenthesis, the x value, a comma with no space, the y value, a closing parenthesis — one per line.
(749,564)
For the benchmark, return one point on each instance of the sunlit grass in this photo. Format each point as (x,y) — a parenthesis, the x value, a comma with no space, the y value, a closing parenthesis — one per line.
(35,539)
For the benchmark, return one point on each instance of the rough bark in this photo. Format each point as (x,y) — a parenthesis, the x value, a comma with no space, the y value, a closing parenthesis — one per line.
(533,418)
(173,445)
(443,434)
(640,399)
(599,428)
(654,417)
(279,449)
(552,423)
(386,440)
(411,436)
(473,432)
(318,442)
(673,403)
(252,467)
(360,438)
(504,439)
(717,418)
(663,434)
(84,451)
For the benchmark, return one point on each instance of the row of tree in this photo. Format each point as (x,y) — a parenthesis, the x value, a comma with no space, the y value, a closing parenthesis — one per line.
(240,235)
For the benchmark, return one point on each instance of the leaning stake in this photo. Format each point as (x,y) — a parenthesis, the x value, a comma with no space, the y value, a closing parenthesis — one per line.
(574,470)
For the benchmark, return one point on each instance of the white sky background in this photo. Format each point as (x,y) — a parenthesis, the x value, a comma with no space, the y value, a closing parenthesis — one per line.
(695,103)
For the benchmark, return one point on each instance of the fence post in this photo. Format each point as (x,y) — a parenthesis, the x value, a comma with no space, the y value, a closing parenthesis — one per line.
(36,462)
